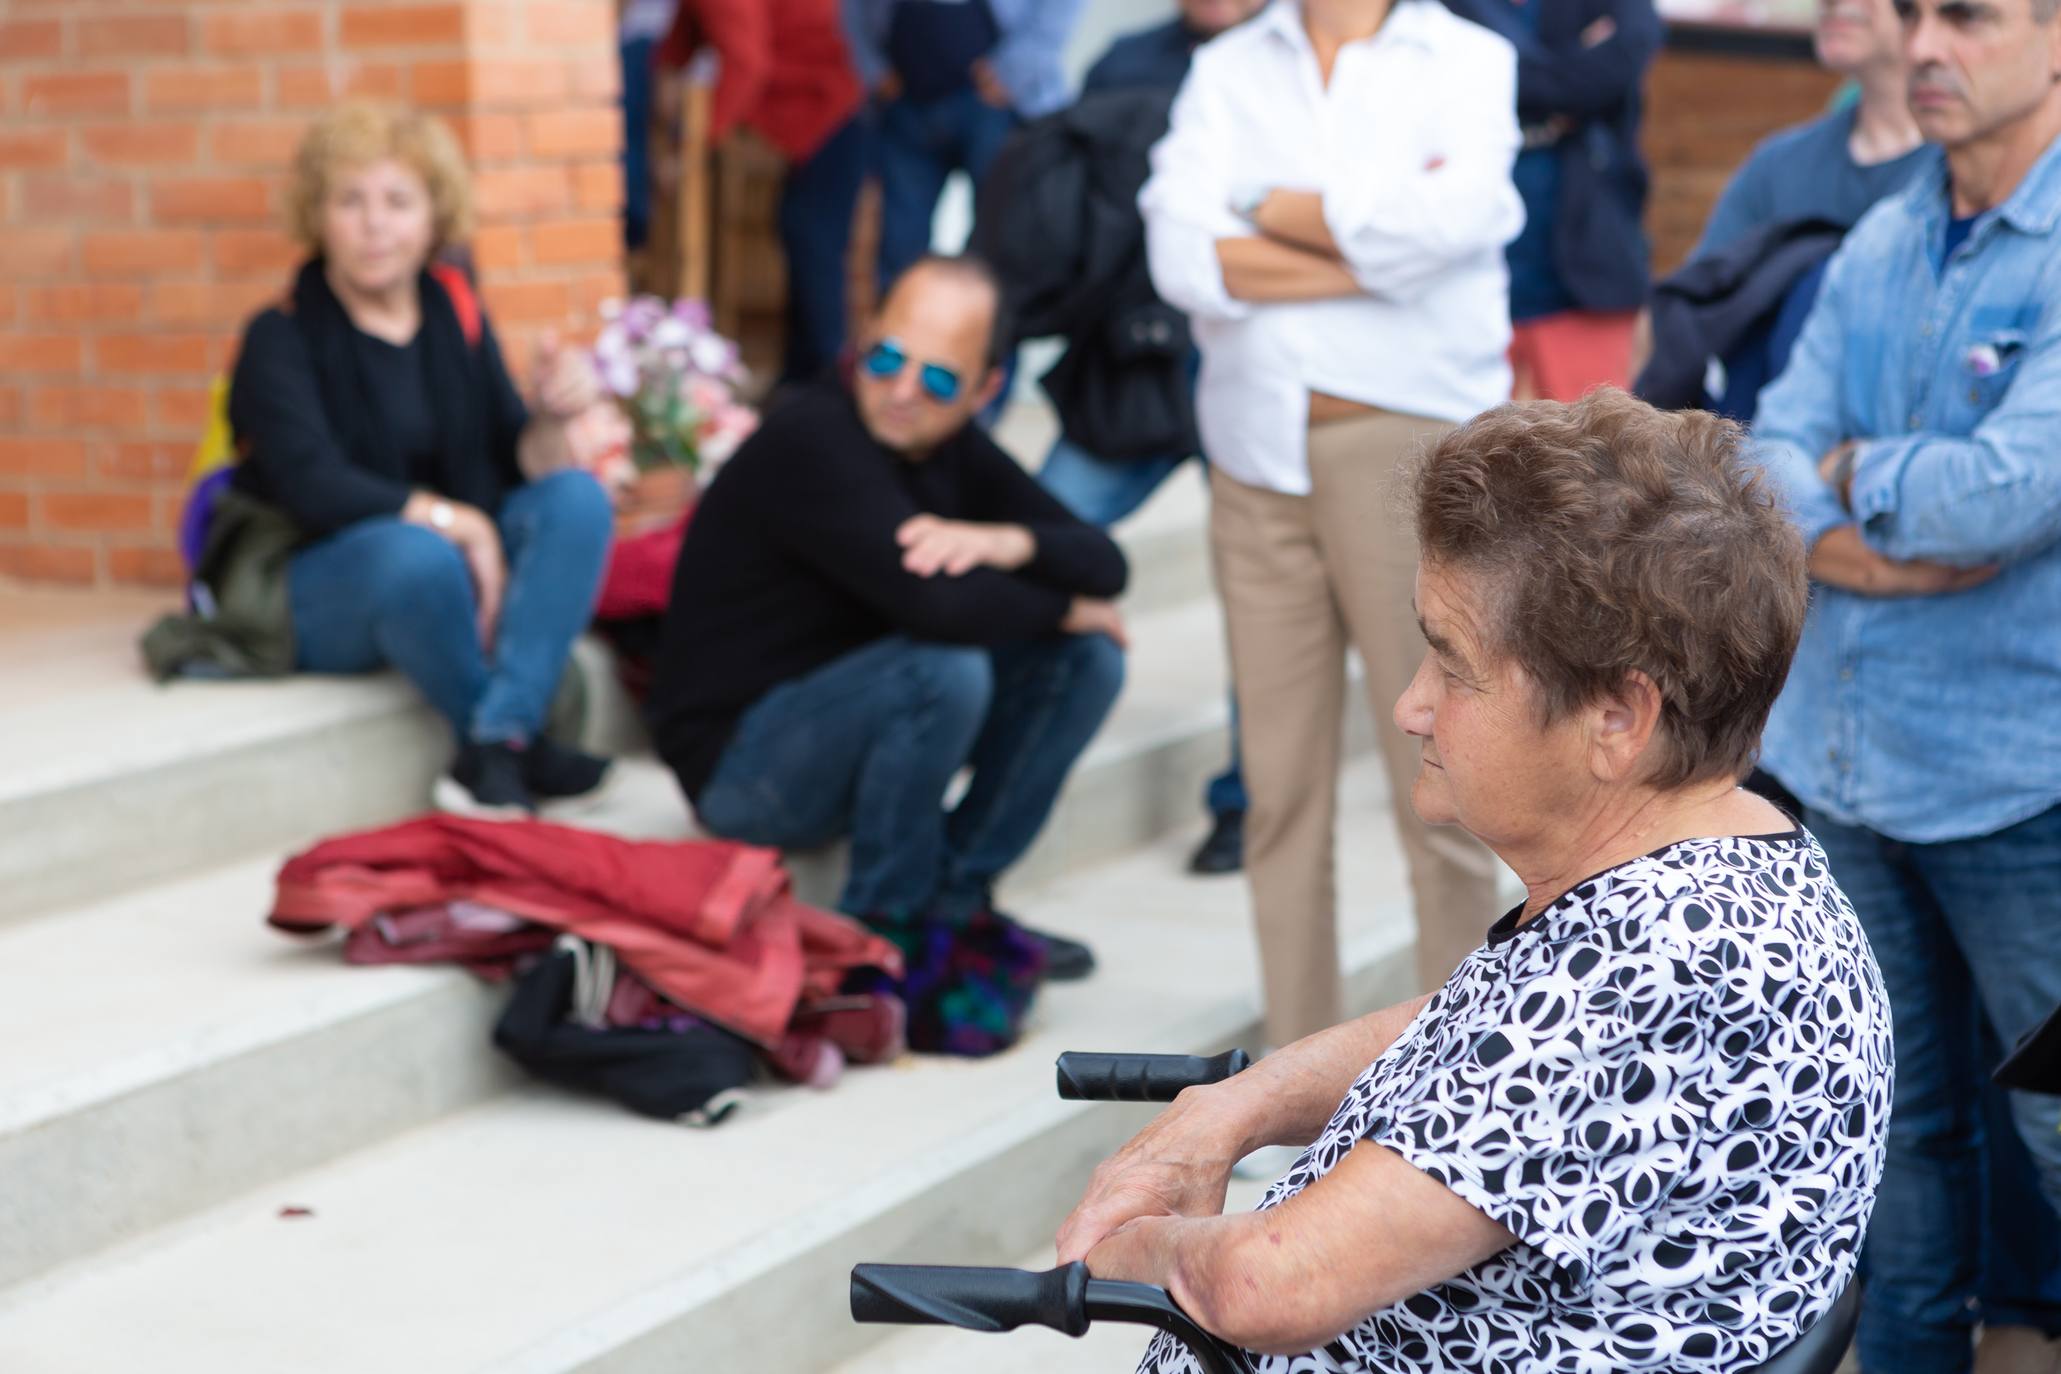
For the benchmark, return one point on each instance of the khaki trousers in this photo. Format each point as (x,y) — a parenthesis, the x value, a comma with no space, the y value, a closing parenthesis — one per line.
(1302,577)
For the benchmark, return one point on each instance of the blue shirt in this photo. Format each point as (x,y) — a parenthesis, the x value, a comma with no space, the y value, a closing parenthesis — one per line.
(1026,59)
(1807,172)
(1931,718)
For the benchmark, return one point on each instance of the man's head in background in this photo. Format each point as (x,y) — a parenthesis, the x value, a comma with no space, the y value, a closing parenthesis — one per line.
(1857,37)
(930,360)
(1980,70)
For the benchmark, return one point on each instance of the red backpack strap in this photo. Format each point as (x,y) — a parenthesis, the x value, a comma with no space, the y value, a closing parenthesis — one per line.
(464,300)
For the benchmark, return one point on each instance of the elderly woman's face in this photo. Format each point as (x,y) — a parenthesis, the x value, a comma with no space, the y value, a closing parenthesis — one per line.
(378,224)
(1486,763)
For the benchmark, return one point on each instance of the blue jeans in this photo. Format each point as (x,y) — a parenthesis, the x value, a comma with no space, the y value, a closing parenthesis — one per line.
(1103,493)
(816,207)
(919,145)
(1965,933)
(866,745)
(384,593)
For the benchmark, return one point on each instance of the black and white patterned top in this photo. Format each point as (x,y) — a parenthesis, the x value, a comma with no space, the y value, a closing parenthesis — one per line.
(1672,1087)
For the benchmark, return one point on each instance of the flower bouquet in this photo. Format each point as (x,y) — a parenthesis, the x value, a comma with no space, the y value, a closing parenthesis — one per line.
(676,381)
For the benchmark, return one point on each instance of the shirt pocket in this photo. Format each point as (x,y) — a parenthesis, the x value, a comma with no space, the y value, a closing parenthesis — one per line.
(1984,363)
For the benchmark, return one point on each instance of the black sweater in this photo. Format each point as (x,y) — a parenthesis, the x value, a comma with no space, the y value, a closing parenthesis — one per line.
(311,418)
(791,561)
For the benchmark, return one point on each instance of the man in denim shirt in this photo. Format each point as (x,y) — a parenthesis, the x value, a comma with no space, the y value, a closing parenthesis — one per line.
(1917,432)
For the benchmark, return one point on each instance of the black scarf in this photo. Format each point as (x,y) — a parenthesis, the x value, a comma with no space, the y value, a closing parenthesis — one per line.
(468,469)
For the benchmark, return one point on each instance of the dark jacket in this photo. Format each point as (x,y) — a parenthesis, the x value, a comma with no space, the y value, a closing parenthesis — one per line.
(1154,57)
(241,624)
(1720,304)
(790,563)
(309,429)
(1058,217)
(1599,236)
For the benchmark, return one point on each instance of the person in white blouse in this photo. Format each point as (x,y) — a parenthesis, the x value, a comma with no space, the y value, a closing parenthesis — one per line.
(1330,206)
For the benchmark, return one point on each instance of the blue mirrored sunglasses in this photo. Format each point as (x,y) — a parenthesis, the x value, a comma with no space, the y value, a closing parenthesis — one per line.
(887,359)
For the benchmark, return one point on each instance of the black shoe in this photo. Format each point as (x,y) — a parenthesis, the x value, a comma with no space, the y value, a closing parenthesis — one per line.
(1224,850)
(1066,961)
(553,770)
(485,782)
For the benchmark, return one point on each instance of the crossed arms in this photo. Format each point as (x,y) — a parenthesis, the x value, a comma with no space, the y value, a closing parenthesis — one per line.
(1387,223)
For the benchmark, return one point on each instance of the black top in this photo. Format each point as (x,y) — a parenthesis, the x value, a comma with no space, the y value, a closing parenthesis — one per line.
(1157,57)
(328,421)
(397,374)
(791,562)
(933,44)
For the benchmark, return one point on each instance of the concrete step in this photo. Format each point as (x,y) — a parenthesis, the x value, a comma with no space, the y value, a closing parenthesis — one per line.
(539,1232)
(114,782)
(217,1054)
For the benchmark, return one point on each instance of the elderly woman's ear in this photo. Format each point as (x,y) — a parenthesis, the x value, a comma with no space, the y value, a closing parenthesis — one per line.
(1621,726)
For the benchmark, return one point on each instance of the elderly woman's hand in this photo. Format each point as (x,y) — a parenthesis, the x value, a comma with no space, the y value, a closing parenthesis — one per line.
(1180,1166)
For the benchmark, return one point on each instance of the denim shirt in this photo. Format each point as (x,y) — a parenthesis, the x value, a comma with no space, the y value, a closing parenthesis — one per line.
(1931,718)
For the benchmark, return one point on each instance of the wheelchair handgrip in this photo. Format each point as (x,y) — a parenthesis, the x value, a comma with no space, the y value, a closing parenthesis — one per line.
(973,1299)
(1142,1077)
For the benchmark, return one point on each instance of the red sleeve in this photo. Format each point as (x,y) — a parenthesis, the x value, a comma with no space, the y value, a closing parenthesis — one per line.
(741,32)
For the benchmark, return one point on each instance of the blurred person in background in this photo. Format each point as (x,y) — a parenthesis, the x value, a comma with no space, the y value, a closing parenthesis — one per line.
(1913,431)
(638,31)
(1834,167)
(1330,208)
(1579,269)
(1105,488)
(1827,173)
(872,596)
(1779,219)
(787,73)
(1158,57)
(449,531)
(950,80)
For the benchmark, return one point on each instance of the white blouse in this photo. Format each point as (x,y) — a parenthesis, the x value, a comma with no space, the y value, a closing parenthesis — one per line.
(1411,146)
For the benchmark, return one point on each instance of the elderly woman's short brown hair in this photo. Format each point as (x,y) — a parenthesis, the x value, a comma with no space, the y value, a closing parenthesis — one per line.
(361,131)
(1612,538)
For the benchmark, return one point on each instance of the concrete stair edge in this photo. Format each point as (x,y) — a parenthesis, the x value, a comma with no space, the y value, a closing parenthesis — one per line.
(338,1084)
(209,808)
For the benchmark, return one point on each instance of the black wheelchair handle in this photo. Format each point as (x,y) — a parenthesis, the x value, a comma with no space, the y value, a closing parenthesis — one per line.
(969,1298)
(1142,1077)
(1065,1299)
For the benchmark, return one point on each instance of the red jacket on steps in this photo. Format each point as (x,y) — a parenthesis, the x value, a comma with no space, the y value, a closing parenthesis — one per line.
(712,925)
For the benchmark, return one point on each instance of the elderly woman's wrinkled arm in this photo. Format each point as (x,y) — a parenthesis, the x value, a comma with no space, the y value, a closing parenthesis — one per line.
(1180,1165)
(1369,1234)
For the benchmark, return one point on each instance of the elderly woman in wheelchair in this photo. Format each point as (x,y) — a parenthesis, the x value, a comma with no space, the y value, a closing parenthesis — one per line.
(1641,1127)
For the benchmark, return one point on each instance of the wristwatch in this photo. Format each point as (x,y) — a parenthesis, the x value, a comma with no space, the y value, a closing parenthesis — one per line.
(1246,202)
(442,517)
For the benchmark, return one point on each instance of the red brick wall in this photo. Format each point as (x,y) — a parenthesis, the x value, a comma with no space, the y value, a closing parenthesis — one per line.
(142,148)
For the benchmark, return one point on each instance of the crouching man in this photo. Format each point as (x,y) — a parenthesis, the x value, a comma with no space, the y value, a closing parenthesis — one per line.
(871,597)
